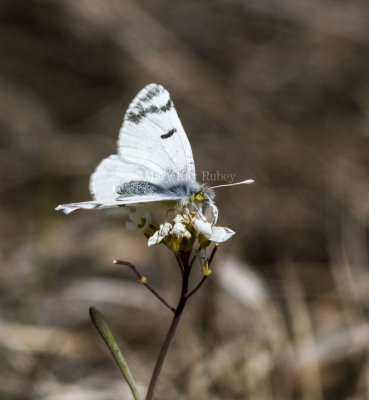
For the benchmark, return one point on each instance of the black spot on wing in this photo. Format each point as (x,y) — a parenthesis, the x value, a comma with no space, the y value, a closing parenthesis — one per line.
(134,117)
(153,92)
(168,134)
(168,106)
(141,112)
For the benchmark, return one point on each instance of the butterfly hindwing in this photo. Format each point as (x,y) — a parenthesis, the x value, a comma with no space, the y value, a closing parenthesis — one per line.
(132,201)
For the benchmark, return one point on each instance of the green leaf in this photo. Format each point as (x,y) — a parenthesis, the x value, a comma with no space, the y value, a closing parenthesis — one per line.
(102,327)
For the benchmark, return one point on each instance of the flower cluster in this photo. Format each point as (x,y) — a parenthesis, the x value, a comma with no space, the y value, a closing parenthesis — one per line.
(196,222)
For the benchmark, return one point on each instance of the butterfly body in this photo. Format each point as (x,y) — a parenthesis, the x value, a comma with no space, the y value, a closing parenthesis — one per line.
(182,192)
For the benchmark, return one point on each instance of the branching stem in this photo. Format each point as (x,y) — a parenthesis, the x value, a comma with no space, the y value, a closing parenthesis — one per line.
(198,286)
(183,259)
(142,280)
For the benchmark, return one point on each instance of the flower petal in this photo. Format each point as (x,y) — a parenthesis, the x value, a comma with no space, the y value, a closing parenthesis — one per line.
(220,234)
(155,239)
(165,228)
(202,226)
(160,234)
(211,212)
(178,229)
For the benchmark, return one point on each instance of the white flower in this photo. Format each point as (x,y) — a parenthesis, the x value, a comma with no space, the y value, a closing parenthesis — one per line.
(179,218)
(160,234)
(205,224)
(178,230)
(139,220)
(180,227)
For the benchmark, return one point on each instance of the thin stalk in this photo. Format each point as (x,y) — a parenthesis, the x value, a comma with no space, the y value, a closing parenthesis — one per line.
(198,286)
(172,330)
(179,261)
(142,280)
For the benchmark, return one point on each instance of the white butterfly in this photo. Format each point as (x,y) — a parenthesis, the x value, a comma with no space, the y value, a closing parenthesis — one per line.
(154,164)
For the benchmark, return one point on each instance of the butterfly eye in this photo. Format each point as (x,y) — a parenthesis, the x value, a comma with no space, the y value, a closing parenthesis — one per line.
(199,196)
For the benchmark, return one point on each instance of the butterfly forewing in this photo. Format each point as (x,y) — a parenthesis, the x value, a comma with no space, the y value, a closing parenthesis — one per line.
(152,147)
(152,136)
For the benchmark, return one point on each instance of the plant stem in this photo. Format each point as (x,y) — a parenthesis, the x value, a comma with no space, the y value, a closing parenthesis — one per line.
(198,286)
(172,329)
(144,283)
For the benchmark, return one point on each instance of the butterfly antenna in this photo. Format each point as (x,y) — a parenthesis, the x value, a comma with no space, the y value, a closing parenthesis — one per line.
(246,182)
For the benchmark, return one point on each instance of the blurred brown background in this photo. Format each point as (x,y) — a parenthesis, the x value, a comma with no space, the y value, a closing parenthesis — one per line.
(270,90)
